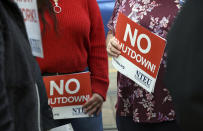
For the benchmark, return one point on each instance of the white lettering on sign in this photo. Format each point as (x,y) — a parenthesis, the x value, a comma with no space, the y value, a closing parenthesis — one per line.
(140,37)
(77,86)
(53,86)
(70,99)
(60,88)
(128,32)
(138,58)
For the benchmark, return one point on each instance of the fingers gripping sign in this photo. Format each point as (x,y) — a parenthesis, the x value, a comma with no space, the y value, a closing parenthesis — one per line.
(93,105)
(113,47)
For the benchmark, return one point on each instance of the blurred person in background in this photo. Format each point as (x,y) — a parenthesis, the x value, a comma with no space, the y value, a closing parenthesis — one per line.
(138,109)
(74,41)
(184,70)
(23,101)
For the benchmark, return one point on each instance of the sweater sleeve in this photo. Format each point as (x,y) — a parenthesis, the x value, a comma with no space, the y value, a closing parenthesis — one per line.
(97,59)
(6,123)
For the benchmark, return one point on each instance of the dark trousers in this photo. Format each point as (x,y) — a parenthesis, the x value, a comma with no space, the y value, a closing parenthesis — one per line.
(126,123)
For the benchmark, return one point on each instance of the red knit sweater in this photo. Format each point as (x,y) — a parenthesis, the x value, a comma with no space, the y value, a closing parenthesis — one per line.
(78,43)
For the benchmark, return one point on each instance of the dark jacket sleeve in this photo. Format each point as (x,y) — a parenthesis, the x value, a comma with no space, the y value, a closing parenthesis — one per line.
(47,120)
(185,63)
(6,122)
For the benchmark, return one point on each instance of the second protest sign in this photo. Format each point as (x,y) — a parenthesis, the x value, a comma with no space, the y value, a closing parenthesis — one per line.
(141,52)
(67,93)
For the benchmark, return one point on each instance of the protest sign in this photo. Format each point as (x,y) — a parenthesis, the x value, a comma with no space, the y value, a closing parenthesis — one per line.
(30,14)
(141,52)
(67,93)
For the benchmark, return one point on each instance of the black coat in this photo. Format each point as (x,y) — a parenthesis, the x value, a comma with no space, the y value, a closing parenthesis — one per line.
(23,100)
(184,76)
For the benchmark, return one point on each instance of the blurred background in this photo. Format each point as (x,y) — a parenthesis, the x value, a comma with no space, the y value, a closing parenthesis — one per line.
(106,8)
(109,122)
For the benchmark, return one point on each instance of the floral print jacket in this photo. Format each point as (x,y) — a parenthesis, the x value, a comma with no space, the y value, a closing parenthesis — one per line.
(157,16)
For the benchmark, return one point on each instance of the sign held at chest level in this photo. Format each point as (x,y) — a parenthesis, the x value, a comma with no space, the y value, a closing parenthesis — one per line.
(141,52)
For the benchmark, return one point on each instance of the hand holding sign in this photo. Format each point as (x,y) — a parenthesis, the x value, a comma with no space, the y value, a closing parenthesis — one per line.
(113,46)
(94,104)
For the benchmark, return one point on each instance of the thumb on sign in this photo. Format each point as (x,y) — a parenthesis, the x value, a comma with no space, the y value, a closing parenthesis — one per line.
(94,104)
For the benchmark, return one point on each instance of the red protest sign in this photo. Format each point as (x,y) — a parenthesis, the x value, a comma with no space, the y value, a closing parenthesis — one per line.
(140,48)
(67,93)
(66,90)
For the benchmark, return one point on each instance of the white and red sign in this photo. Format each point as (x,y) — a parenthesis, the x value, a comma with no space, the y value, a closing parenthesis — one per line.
(30,13)
(67,93)
(141,52)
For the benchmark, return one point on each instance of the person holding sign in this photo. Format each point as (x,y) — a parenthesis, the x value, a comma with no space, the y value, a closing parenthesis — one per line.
(138,109)
(77,43)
